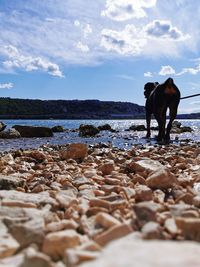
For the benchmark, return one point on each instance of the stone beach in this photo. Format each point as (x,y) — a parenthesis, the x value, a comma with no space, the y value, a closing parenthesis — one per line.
(77,204)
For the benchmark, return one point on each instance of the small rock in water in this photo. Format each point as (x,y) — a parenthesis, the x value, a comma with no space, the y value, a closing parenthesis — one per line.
(88,130)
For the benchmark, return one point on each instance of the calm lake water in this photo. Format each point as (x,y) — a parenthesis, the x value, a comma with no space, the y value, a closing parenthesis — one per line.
(121,139)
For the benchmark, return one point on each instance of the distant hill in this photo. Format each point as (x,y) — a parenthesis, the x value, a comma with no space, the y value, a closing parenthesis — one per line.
(13,108)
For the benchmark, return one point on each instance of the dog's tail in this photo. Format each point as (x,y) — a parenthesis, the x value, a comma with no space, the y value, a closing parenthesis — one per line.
(148,88)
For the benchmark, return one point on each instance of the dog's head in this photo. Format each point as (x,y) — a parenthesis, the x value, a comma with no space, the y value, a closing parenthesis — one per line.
(148,88)
(170,88)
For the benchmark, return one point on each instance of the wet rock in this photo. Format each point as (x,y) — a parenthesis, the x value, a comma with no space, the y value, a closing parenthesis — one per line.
(56,243)
(126,251)
(88,130)
(33,131)
(105,127)
(176,124)
(161,179)
(75,151)
(10,134)
(186,129)
(2,126)
(57,129)
(137,128)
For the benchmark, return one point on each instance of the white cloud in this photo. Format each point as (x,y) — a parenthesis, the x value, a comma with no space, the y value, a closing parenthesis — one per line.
(192,71)
(127,41)
(85,28)
(50,30)
(164,29)
(148,74)
(82,47)
(6,85)
(167,70)
(16,60)
(121,10)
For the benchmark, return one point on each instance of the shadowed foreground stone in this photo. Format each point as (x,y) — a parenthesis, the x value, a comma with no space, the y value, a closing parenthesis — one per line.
(10,182)
(130,252)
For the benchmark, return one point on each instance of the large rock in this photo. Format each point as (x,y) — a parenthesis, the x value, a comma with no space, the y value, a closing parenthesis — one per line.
(161,179)
(38,199)
(137,128)
(131,252)
(105,127)
(57,129)
(56,243)
(147,165)
(10,134)
(75,151)
(88,130)
(26,233)
(33,131)
(10,182)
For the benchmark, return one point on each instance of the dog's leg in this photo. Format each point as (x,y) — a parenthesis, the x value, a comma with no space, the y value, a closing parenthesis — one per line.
(148,122)
(161,119)
(172,114)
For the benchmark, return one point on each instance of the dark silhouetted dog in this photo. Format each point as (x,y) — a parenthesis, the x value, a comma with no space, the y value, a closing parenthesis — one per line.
(160,97)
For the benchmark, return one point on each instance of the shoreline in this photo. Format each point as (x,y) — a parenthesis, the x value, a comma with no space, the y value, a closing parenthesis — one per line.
(73,200)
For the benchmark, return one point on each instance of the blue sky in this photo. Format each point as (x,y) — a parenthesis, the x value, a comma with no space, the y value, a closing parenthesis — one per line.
(102,49)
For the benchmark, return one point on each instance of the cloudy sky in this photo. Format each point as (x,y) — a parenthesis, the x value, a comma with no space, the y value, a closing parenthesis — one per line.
(102,49)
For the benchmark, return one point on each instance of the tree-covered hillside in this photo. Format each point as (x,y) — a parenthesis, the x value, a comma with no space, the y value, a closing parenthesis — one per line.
(68,109)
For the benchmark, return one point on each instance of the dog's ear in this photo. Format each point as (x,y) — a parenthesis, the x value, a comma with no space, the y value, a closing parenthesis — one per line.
(148,88)
(169,82)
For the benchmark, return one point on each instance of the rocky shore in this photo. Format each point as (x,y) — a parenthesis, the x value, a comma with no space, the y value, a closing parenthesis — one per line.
(79,205)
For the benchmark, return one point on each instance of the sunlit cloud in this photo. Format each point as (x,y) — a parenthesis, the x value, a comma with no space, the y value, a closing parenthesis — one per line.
(6,85)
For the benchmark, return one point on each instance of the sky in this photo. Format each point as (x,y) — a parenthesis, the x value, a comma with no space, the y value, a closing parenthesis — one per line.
(102,49)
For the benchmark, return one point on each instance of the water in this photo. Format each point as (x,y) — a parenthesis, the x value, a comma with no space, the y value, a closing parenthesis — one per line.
(121,139)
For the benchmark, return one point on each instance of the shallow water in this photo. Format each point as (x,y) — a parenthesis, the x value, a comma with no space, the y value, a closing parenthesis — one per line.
(121,139)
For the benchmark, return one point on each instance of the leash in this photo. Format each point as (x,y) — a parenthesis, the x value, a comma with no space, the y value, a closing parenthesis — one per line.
(189,96)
